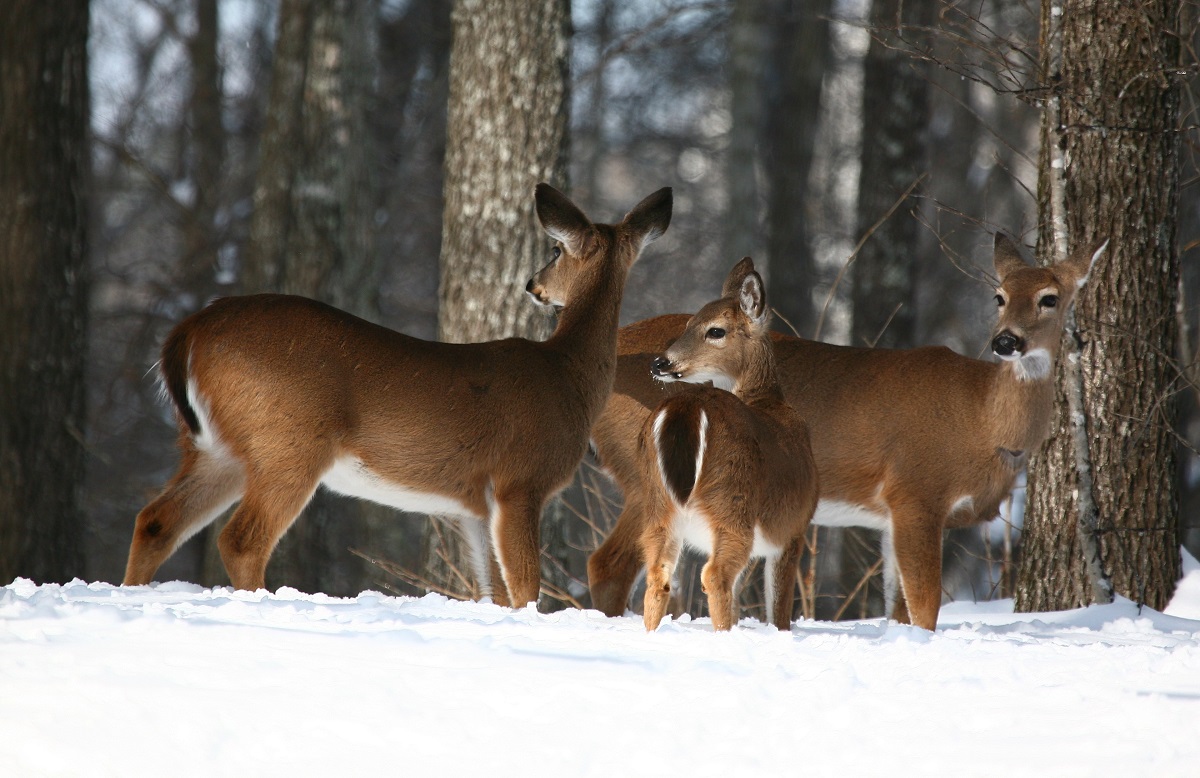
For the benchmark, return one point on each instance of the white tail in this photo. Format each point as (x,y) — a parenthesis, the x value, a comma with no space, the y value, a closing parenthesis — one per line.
(276,395)
(908,442)
(728,474)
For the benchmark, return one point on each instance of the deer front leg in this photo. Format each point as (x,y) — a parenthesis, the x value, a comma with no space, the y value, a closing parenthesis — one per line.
(614,566)
(917,544)
(515,535)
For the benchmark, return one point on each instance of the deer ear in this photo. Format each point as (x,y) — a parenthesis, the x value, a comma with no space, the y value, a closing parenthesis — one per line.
(561,218)
(752,297)
(733,281)
(1079,265)
(1006,256)
(650,218)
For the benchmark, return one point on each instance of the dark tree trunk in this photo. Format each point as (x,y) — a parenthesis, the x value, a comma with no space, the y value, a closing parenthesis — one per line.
(895,119)
(799,58)
(43,287)
(748,52)
(1119,114)
(506,131)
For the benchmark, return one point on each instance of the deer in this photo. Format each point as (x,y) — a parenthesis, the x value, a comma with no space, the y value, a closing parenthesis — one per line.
(276,395)
(907,442)
(729,471)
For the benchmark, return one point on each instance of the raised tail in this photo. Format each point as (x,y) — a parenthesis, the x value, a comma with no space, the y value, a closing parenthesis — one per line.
(680,435)
(174,369)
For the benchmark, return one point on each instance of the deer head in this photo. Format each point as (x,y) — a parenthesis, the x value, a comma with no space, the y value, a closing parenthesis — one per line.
(1033,303)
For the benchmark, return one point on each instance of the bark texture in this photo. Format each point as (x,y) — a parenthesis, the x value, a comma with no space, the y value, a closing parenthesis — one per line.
(507,130)
(1119,113)
(43,287)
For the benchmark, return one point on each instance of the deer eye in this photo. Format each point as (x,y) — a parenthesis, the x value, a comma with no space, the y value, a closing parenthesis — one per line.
(715,333)
(999,301)
(557,252)
(1049,301)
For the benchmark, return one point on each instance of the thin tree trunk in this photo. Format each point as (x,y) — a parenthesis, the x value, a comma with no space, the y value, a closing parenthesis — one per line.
(748,52)
(895,118)
(1119,114)
(43,287)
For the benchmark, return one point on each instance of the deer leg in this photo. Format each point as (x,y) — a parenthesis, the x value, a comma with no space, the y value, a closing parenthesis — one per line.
(661,549)
(779,578)
(515,534)
(614,566)
(918,553)
(731,552)
(475,532)
(271,504)
(201,491)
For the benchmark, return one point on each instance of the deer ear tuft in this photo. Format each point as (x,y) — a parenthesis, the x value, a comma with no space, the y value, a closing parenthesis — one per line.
(733,281)
(561,218)
(1006,256)
(752,297)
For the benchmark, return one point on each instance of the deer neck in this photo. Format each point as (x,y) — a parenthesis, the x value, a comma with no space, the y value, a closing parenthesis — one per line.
(759,380)
(586,334)
(1021,409)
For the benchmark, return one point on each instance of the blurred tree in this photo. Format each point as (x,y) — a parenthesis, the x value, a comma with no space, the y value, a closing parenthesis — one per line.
(312,229)
(748,55)
(798,59)
(895,120)
(44,102)
(1103,490)
(506,131)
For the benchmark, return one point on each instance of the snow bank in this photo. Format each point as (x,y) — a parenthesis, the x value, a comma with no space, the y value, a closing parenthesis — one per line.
(175,679)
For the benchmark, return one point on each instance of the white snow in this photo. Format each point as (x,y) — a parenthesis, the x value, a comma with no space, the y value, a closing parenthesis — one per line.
(174,679)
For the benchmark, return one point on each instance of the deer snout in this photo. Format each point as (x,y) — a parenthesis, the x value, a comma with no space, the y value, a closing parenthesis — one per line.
(1007,343)
(660,368)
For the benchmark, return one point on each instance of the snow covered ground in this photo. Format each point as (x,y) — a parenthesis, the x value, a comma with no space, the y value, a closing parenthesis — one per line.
(173,679)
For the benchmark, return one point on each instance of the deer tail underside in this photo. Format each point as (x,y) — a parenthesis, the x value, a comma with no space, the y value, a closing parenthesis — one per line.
(174,369)
(680,437)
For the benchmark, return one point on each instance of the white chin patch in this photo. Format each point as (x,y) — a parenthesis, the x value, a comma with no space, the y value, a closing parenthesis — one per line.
(719,380)
(1031,366)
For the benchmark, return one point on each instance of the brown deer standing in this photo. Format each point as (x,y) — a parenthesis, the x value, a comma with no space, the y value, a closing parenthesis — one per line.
(728,474)
(907,442)
(278,394)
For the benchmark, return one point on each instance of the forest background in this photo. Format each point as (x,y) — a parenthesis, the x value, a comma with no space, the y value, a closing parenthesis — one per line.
(863,151)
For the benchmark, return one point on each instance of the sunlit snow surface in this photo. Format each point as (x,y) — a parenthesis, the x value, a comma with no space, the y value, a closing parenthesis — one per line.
(174,679)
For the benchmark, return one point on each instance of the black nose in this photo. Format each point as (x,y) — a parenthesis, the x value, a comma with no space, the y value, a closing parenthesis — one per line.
(1006,343)
(529,286)
(660,366)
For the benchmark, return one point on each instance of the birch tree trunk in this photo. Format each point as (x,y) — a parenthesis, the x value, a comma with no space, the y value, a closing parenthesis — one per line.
(506,131)
(1118,109)
(43,287)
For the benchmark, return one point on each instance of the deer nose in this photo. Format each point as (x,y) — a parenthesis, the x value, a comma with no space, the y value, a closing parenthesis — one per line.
(1006,344)
(529,286)
(660,366)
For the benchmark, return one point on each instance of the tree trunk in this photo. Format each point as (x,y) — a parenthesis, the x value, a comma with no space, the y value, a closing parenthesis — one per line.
(895,119)
(748,51)
(311,233)
(1119,113)
(43,287)
(799,58)
(506,131)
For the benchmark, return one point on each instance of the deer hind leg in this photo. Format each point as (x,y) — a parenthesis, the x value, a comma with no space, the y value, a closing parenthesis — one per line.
(475,533)
(779,579)
(917,550)
(515,538)
(614,566)
(731,552)
(661,550)
(271,504)
(203,488)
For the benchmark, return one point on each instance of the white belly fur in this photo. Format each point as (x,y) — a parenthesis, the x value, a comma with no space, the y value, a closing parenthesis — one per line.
(694,530)
(351,477)
(836,513)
